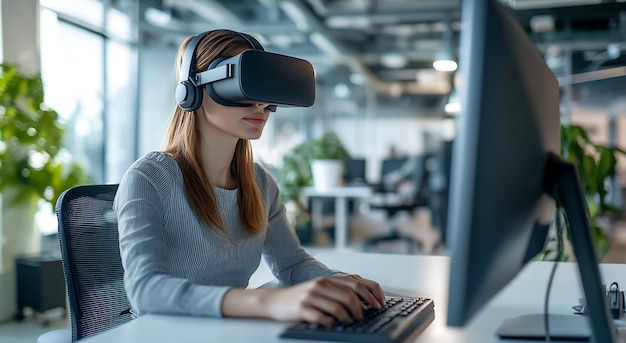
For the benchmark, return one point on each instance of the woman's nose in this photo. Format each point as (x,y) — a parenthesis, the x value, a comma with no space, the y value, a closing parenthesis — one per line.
(265,105)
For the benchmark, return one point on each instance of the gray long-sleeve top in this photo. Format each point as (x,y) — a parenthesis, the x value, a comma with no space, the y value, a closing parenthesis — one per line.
(174,264)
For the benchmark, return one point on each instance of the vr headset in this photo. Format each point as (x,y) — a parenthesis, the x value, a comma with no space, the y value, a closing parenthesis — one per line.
(253,76)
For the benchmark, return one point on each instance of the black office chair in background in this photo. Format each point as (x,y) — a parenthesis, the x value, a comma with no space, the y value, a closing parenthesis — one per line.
(92,265)
(439,188)
(396,172)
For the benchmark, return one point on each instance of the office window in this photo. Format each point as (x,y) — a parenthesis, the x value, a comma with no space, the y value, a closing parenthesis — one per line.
(72,71)
(89,74)
(120,113)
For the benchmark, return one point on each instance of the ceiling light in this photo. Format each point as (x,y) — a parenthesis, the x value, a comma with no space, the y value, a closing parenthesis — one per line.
(342,91)
(542,23)
(349,22)
(614,50)
(357,78)
(157,16)
(392,60)
(453,105)
(444,59)
(445,65)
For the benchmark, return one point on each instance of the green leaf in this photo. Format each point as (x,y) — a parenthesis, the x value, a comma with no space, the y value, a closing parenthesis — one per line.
(596,163)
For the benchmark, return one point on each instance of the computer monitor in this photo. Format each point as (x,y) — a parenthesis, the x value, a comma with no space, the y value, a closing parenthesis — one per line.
(506,177)
(355,171)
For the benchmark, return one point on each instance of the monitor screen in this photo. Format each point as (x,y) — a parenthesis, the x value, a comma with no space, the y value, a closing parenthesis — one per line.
(508,127)
(354,171)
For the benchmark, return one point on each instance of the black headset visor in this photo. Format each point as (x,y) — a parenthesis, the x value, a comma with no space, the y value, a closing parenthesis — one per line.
(255,76)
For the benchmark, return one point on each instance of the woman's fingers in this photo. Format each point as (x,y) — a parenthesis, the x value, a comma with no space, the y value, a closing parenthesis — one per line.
(326,299)
(340,295)
(332,307)
(367,290)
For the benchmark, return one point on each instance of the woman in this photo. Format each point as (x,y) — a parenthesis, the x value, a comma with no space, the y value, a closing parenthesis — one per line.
(195,219)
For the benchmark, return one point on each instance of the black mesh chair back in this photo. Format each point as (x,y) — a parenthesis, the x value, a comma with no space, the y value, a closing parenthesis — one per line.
(91,260)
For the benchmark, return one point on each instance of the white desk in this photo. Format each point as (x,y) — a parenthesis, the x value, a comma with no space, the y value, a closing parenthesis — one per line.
(341,196)
(423,276)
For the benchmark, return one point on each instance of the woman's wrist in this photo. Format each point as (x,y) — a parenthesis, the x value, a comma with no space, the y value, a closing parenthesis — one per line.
(254,303)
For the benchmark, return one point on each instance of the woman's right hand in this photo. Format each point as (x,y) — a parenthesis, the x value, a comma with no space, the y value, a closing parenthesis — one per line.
(323,300)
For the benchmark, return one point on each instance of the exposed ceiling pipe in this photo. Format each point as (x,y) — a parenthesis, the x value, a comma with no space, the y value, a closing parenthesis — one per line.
(306,21)
(595,75)
(211,10)
(332,8)
(348,20)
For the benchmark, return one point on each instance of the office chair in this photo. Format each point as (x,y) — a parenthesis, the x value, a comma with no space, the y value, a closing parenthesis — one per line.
(438,188)
(92,264)
(395,171)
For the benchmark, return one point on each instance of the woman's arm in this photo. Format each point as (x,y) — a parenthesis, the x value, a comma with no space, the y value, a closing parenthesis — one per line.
(150,284)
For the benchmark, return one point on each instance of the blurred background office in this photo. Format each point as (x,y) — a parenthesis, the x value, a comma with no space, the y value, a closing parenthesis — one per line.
(108,70)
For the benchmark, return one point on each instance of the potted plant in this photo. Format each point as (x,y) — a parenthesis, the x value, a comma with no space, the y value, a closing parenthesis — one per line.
(596,165)
(327,161)
(33,165)
(31,139)
(296,173)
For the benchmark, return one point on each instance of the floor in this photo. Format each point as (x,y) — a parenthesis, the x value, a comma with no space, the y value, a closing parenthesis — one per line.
(362,227)
(32,327)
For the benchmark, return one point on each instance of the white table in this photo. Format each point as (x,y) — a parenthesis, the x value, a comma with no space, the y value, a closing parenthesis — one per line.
(341,196)
(400,274)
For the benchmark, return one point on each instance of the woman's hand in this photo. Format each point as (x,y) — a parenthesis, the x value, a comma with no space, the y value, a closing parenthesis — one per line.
(323,300)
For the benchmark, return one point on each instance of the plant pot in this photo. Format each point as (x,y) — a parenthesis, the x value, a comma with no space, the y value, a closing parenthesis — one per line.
(327,173)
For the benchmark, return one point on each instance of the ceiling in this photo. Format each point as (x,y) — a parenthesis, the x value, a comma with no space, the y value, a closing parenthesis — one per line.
(391,44)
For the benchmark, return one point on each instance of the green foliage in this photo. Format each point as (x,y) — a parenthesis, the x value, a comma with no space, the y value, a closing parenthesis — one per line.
(596,165)
(296,171)
(31,138)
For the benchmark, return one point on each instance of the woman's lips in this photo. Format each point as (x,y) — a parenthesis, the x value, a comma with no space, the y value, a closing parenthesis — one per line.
(260,119)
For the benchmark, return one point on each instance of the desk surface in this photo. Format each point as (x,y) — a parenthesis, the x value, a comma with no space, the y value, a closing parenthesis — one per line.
(341,195)
(410,275)
(361,191)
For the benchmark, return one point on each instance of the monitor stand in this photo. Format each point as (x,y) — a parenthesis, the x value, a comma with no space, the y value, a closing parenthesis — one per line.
(561,182)
(570,328)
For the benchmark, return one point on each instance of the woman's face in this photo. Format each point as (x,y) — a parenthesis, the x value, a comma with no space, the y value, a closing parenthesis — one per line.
(240,122)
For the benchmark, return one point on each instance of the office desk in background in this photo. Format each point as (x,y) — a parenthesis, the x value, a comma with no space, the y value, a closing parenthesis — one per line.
(410,275)
(341,196)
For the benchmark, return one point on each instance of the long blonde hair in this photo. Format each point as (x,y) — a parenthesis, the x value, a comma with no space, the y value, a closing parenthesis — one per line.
(183,142)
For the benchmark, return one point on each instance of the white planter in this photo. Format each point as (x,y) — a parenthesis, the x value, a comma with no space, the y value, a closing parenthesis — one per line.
(327,173)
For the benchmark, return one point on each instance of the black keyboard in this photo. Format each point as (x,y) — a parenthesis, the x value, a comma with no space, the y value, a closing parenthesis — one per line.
(393,323)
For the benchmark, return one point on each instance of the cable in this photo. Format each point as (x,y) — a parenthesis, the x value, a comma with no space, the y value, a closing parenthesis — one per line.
(559,255)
